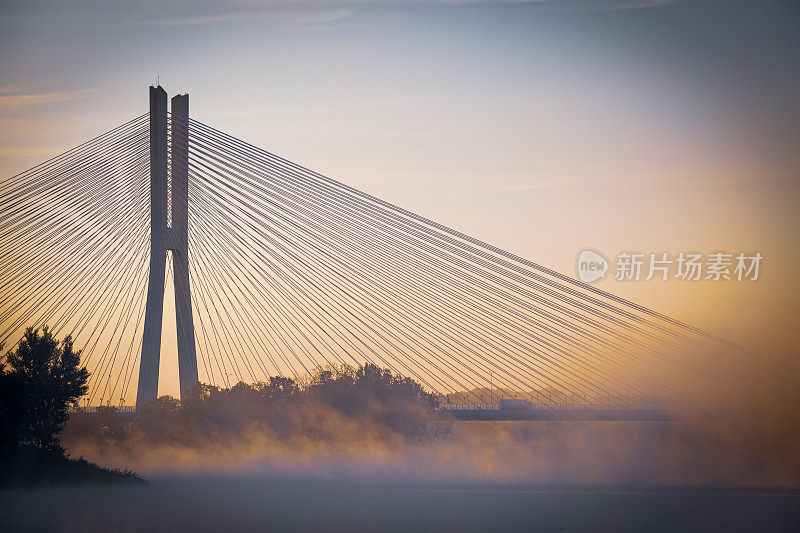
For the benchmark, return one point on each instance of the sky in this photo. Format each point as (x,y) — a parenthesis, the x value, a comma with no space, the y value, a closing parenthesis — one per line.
(543,127)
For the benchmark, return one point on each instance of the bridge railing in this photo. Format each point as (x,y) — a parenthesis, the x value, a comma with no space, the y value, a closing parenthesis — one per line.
(549,407)
(124,409)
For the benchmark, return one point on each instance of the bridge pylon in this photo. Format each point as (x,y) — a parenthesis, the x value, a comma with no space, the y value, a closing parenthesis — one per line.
(168,233)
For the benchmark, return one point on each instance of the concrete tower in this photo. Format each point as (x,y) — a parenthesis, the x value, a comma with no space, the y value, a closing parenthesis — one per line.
(168,232)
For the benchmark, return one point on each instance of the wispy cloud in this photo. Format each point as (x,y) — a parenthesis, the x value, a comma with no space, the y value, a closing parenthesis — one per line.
(323,11)
(284,110)
(5,89)
(307,16)
(528,187)
(596,4)
(13,101)
(726,181)
(633,4)
(323,16)
(36,151)
(234,16)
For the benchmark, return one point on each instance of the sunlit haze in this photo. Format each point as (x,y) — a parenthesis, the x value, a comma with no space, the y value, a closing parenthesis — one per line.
(544,128)
(399,265)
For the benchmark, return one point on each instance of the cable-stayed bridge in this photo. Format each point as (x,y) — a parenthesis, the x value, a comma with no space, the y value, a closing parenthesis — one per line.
(276,270)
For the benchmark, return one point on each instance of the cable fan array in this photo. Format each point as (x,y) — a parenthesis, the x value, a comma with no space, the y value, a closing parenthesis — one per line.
(291,270)
(75,233)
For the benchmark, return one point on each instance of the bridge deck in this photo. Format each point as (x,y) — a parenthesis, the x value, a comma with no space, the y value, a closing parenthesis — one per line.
(493,413)
(556,414)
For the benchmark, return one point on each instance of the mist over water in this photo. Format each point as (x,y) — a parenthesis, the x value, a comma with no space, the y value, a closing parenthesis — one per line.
(745,434)
(365,452)
(611,454)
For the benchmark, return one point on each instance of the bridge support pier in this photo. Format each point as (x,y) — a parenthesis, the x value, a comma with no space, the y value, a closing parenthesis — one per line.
(167,235)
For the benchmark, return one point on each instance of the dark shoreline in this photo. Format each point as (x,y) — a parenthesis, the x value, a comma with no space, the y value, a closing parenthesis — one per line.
(33,468)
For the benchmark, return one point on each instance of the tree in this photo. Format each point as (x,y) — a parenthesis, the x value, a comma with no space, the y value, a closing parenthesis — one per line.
(11,394)
(43,377)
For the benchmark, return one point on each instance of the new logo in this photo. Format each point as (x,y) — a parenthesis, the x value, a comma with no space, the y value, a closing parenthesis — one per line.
(591,266)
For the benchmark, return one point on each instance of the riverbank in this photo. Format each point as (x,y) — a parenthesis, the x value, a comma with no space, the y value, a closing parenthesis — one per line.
(30,467)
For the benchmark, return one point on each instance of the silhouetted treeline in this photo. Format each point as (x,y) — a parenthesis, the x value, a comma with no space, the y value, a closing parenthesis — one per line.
(39,380)
(335,404)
